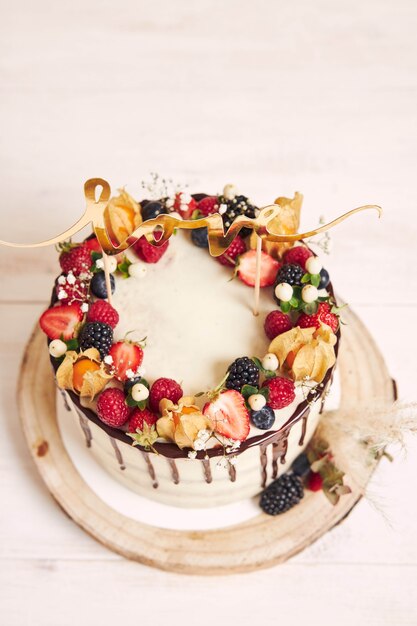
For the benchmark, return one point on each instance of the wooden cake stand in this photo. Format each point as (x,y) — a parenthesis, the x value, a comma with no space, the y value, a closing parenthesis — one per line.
(262,541)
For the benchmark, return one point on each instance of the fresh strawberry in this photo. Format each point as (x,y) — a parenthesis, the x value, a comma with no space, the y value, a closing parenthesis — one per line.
(112,408)
(75,258)
(298,255)
(102,311)
(127,358)
(184,204)
(93,245)
(324,314)
(236,248)
(229,415)
(314,481)
(71,289)
(149,253)
(208,206)
(61,321)
(246,269)
(164,388)
(281,392)
(276,323)
(138,417)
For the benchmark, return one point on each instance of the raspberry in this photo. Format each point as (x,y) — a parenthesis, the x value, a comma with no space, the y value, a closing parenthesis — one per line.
(281,392)
(149,253)
(102,311)
(297,255)
(112,408)
(71,289)
(324,314)
(276,323)
(75,259)
(164,388)
(282,494)
(236,248)
(314,481)
(138,417)
(208,205)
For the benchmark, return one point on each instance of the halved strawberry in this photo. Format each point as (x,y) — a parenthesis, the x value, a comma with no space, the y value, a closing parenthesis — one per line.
(61,321)
(126,356)
(229,415)
(247,268)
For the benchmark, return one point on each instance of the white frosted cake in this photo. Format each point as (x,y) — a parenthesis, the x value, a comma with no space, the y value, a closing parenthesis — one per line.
(180,392)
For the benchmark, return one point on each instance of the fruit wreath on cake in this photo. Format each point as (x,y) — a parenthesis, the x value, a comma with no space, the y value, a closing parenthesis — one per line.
(181,393)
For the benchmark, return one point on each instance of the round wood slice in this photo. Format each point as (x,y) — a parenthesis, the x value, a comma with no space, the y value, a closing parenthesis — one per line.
(258,543)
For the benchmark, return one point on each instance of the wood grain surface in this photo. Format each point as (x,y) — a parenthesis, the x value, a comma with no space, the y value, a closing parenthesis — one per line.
(273,96)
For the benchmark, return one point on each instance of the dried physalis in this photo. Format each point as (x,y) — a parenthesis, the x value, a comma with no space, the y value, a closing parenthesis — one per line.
(122,216)
(306,352)
(182,422)
(286,223)
(83,373)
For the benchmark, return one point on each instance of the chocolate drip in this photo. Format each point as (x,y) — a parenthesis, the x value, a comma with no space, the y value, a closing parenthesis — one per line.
(303,430)
(284,446)
(174,471)
(232,472)
(207,470)
(151,469)
(276,449)
(264,461)
(65,399)
(117,453)
(85,427)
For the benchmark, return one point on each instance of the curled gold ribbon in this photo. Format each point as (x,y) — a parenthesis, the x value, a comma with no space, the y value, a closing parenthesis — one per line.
(159,229)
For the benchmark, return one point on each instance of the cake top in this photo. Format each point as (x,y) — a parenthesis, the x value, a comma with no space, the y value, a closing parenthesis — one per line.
(150,340)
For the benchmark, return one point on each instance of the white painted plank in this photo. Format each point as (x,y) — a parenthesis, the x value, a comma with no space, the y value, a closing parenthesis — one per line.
(73,592)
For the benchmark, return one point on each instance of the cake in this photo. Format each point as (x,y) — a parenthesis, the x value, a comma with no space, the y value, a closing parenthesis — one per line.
(180,392)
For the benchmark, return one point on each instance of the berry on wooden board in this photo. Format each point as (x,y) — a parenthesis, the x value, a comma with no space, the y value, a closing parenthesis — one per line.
(282,494)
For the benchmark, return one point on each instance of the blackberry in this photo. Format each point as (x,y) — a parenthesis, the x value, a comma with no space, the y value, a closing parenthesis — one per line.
(290,273)
(301,465)
(199,237)
(152,209)
(263,419)
(324,279)
(98,285)
(96,335)
(240,205)
(242,371)
(282,494)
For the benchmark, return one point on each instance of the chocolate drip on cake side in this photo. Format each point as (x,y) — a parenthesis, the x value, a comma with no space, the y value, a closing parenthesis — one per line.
(232,472)
(174,471)
(263,457)
(207,470)
(151,468)
(304,427)
(117,452)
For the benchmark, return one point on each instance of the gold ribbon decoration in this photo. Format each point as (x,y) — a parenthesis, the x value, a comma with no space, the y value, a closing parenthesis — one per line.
(159,229)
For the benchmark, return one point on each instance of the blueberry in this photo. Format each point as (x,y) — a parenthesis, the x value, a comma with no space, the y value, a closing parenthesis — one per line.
(301,465)
(130,382)
(152,209)
(324,279)
(199,237)
(98,285)
(263,419)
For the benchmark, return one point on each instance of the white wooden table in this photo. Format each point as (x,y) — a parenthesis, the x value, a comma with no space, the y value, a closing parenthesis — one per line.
(273,96)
